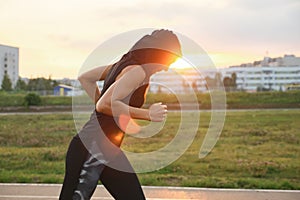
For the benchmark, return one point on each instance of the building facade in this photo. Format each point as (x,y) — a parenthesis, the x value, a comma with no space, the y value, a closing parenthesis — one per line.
(9,63)
(267,74)
(63,90)
(281,73)
(177,81)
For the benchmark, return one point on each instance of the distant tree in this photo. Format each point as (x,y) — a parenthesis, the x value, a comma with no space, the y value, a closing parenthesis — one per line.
(218,79)
(230,83)
(21,85)
(42,84)
(210,83)
(259,88)
(31,86)
(159,89)
(6,83)
(227,81)
(194,86)
(51,84)
(185,86)
(233,81)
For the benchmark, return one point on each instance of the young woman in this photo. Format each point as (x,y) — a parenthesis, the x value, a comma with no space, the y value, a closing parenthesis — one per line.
(94,153)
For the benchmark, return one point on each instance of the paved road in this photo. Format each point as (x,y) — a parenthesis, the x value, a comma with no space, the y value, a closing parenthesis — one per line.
(51,191)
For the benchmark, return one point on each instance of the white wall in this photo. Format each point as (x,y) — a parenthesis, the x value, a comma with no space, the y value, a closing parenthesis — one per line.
(9,63)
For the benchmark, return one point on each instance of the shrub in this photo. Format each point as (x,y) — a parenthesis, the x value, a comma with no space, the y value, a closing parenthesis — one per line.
(32,99)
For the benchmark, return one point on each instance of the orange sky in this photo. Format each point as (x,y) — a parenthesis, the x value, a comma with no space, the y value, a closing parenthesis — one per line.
(55,37)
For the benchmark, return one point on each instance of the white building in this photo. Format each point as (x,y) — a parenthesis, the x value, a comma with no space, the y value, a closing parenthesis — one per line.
(270,73)
(9,63)
(178,81)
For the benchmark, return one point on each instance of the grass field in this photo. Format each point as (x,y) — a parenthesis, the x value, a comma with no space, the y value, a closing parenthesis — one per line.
(257,149)
(272,99)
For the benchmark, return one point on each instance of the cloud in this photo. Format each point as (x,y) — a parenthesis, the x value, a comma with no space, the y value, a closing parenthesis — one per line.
(52,27)
(263,5)
(227,23)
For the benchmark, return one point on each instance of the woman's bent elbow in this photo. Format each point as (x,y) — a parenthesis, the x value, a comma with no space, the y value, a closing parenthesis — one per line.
(103,107)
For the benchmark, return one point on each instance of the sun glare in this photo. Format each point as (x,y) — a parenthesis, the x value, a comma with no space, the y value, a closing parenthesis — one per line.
(180,64)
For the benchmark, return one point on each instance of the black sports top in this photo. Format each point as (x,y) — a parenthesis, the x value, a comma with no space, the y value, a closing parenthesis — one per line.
(109,124)
(159,47)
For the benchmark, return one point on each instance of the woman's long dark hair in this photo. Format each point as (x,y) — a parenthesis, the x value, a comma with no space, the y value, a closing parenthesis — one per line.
(160,47)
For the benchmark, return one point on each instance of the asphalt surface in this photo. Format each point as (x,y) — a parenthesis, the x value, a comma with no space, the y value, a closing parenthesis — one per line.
(51,191)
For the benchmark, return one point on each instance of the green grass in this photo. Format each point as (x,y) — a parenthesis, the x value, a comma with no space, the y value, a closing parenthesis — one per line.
(264,99)
(17,99)
(290,99)
(7,99)
(257,149)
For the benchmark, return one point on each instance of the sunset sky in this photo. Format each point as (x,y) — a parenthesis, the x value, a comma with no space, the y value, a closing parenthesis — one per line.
(55,37)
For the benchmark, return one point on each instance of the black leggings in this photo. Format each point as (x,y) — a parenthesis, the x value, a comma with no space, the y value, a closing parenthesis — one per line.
(121,185)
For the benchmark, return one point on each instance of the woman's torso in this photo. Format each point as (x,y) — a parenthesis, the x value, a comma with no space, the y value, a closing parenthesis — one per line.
(136,98)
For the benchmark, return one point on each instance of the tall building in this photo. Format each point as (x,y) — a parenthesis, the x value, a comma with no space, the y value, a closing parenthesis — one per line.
(9,63)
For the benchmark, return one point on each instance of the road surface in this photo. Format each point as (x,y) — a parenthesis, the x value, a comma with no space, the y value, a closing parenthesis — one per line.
(51,191)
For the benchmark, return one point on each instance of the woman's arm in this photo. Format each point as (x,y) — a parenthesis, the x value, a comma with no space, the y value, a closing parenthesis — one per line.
(88,81)
(111,102)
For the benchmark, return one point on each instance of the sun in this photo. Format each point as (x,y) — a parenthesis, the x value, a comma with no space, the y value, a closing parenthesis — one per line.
(180,64)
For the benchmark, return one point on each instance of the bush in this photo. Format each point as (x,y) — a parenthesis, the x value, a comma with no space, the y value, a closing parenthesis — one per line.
(32,99)
(11,99)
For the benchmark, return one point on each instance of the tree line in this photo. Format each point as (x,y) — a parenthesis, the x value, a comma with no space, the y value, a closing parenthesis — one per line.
(228,82)
(36,84)
(43,84)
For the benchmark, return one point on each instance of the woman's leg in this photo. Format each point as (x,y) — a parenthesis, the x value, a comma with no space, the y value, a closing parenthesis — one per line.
(88,179)
(76,155)
(122,185)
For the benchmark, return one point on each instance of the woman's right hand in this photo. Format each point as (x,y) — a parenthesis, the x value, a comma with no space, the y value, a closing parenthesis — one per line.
(157,112)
